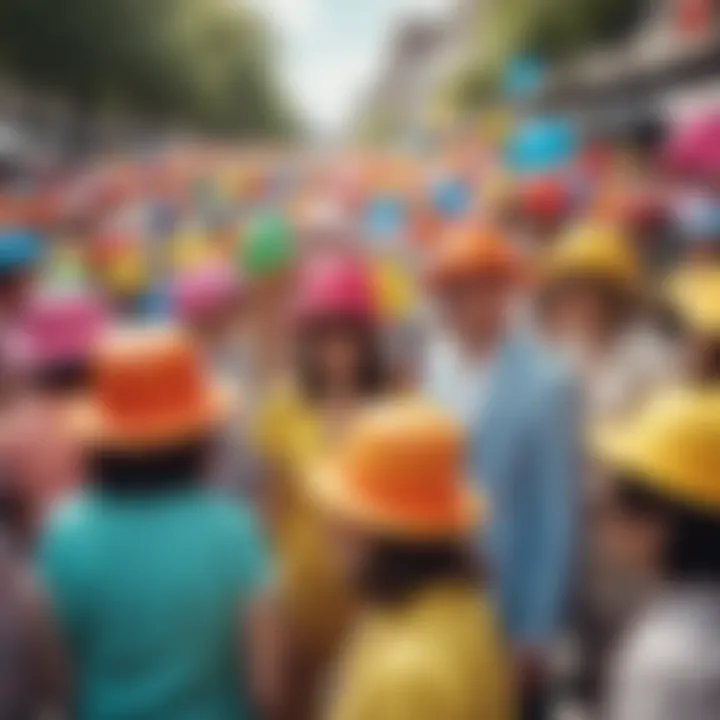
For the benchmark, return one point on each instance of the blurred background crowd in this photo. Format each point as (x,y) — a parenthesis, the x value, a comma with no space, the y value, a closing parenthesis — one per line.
(360,361)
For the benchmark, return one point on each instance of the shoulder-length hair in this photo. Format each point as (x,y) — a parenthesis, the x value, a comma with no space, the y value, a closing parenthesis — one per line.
(692,552)
(396,570)
(373,374)
(148,471)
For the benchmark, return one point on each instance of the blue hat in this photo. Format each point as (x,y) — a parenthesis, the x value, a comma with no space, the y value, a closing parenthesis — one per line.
(20,249)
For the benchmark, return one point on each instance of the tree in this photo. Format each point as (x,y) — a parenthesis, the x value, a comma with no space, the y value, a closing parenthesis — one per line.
(207,65)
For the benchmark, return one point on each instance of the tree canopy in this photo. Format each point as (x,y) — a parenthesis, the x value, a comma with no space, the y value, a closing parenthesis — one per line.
(553,30)
(206,65)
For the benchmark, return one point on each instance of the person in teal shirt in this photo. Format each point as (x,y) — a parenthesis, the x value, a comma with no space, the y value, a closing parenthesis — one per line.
(157,584)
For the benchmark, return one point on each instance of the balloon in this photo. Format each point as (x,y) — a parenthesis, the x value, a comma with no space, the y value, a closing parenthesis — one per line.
(385,217)
(268,246)
(541,145)
(451,197)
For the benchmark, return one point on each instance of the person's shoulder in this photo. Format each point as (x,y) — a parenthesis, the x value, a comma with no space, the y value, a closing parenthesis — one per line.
(674,648)
(72,517)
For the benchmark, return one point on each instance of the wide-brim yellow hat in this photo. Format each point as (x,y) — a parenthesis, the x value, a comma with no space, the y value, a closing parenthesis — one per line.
(671,446)
(592,250)
(399,474)
(694,294)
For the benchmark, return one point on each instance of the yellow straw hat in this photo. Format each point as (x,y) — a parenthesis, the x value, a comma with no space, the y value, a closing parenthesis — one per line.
(592,250)
(672,446)
(694,294)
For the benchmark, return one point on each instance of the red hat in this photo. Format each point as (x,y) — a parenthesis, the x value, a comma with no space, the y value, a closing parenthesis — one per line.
(335,286)
(545,198)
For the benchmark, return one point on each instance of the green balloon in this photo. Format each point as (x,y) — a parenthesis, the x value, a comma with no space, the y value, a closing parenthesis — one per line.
(268,247)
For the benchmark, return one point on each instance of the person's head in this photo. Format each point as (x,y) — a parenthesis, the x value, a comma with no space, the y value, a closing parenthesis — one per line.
(475,276)
(150,415)
(338,348)
(585,307)
(662,509)
(399,511)
(52,342)
(588,285)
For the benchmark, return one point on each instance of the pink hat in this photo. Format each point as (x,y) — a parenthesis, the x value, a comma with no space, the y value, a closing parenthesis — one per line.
(334,287)
(205,290)
(694,147)
(57,328)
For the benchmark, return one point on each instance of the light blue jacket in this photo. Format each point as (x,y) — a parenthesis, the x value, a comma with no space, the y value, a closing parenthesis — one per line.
(524,452)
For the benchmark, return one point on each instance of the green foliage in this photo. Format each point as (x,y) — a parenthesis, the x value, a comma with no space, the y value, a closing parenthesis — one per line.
(555,30)
(205,64)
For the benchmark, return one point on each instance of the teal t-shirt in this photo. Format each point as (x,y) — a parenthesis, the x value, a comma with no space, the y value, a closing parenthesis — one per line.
(149,594)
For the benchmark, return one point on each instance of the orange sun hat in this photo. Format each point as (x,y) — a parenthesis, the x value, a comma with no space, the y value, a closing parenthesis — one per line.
(471,251)
(400,473)
(148,390)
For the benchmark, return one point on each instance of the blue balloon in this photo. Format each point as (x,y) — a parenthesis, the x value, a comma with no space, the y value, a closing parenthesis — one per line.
(20,249)
(524,76)
(542,144)
(385,217)
(451,197)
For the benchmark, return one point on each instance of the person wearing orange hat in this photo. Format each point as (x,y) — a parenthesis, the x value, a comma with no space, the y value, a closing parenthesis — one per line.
(339,367)
(156,585)
(589,307)
(661,528)
(400,516)
(516,401)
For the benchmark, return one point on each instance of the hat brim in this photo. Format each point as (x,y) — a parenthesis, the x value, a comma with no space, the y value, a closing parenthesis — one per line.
(96,429)
(333,494)
(621,449)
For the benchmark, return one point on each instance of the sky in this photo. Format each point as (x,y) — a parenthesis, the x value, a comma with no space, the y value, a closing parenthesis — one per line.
(332,50)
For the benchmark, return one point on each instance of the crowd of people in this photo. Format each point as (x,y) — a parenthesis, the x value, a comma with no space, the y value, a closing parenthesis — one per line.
(364,436)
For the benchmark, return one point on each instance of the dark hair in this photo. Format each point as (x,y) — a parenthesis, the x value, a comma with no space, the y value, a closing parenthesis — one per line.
(61,378)
(373,375)
(620,303)
(692,552)
(148,471)
(395,570)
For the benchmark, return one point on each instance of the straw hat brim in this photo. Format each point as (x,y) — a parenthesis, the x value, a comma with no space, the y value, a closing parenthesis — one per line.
(95,428)
(664,473)
(333,494)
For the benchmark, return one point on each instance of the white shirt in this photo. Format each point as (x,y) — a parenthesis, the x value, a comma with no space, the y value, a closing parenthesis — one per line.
(459,383)
(668,667)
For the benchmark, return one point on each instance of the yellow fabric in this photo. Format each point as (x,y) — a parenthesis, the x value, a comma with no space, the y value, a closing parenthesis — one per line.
(592,249)
(672,445)
(290,437)
(393,290)
(695,294)
(439,657)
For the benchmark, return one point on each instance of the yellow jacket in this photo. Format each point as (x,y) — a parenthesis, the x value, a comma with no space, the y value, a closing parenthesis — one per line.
(437,657)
